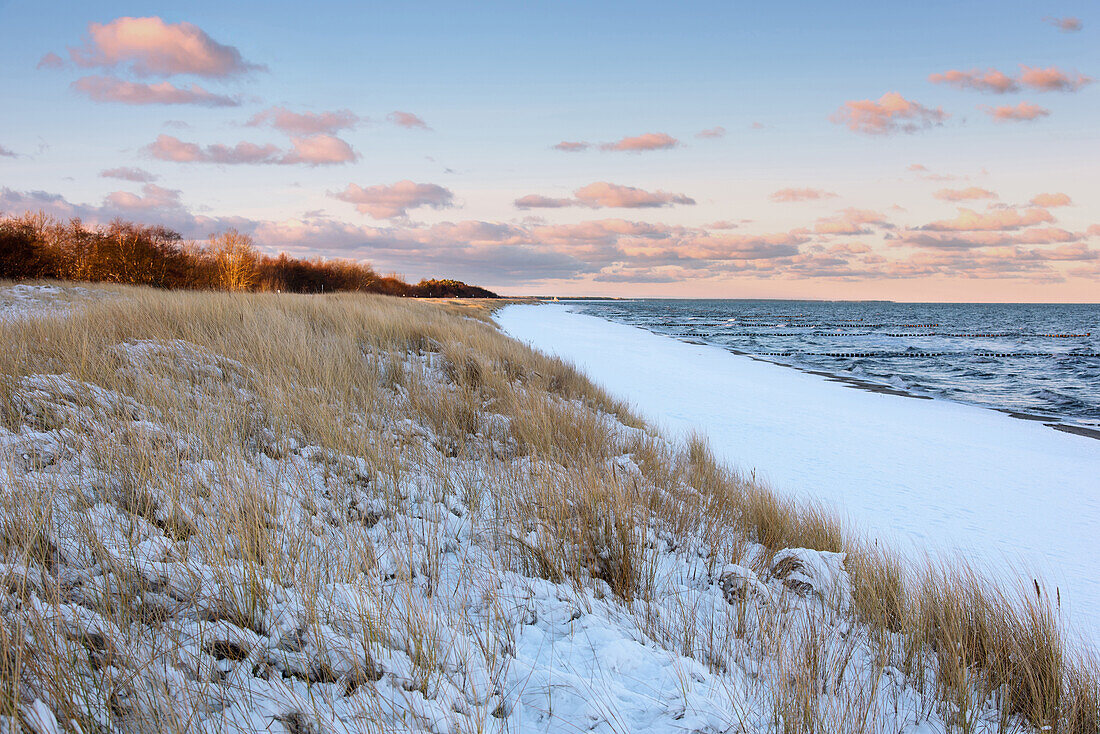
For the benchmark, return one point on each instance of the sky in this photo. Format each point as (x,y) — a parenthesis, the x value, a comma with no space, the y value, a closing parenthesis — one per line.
(933,151)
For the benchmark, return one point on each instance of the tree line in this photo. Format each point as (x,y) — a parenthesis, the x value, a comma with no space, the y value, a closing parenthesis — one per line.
(36,246)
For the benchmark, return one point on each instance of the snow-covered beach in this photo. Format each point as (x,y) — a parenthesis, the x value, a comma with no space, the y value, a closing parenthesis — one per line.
(416,523)
(922,474)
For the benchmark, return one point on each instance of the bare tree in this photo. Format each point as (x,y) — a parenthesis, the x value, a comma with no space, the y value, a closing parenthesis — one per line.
(236,259)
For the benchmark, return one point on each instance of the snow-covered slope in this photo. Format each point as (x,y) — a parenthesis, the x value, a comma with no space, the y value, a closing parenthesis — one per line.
(412,619)
(20,301)
(943,475)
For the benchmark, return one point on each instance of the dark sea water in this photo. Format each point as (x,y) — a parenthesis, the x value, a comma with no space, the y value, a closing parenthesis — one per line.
(1041,361)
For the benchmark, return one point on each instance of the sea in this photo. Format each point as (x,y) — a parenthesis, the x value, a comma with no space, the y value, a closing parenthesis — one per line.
(1033,361)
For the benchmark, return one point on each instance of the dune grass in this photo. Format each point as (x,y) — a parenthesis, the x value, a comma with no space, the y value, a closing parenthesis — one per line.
(375,385)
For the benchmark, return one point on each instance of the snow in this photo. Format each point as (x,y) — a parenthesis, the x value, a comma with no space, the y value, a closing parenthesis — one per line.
(388,599)
(515,652)
(926,474)
(22,300)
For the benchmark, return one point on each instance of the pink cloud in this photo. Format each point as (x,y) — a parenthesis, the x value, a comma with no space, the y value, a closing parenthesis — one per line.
(319,150)
(305,123)
(570,146)
(967,194)
(598,231)
(743,246)
(407,120)
(838,264)
(889,114)
(992,80)
(852,221)
(620,274)
(605,194)
(1093,230)
(639,143)
(795,195)
(849,248)
(6,153)
(1091,270)
(1076,252)
(1051,200)
(51,61)
(714,132)
(1046,236)
(965,240)
(316,150)
(1022,112)
(473,250)
(388,202)
(535,201)
(168,148)
(1068,24)
(928,175)
(153,197)
(109,89)
(994,220)
(989,80)
(608,230)
(1053,79)
(152,47)
(128,174)
(995,264)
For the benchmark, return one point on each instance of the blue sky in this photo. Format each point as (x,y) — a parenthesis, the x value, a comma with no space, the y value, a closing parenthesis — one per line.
(499,84)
